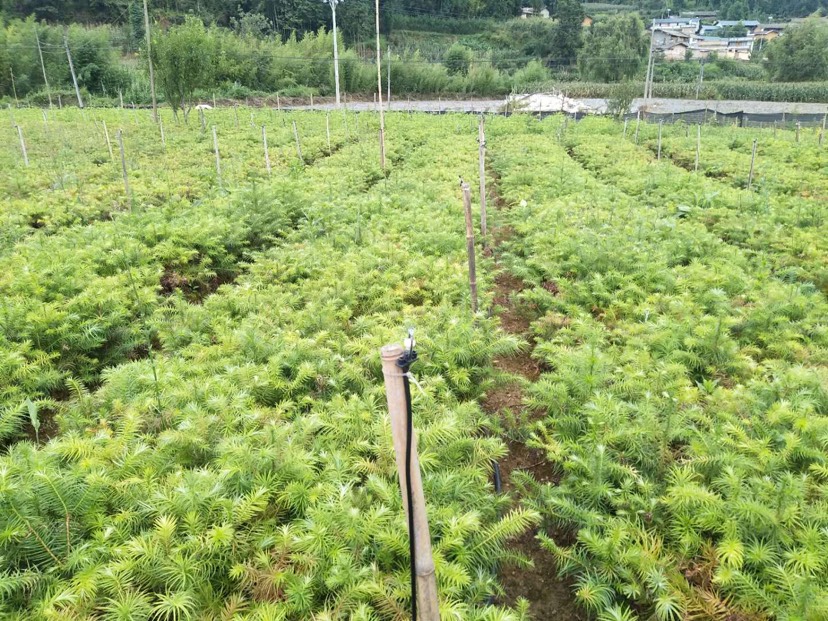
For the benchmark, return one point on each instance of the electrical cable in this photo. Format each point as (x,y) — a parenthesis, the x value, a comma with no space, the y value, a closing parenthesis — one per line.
(404,363)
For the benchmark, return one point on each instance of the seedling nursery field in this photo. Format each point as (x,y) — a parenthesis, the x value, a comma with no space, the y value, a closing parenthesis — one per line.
(634,425)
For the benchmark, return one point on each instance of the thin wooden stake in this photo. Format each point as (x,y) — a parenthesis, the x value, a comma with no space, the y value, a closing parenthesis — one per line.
(298,144)
(266,154)
(120,137)
(214,101)
(660,129)
(236,114)
(382,147)
(121,98)
(626,121)
(108,143)
(202,120)
(72,68)
(311,101)
(218,159)
(14,88)
(752,162)
(427,602)
(161,128)
(637,126)
(22,145)
(481,156)
(328,129)
(43,68)
(698,147)
(60,102)
(822,131)
(278,103)
(470,245)
(798,130)
(149,61)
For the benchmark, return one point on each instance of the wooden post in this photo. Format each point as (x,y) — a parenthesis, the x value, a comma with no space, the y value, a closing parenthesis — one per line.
(121,98)
(752,162)
(298,145)
(120,137)
(311,101)
(637,125)
(202,120)
(214,101)
(328,130)
(236,114)
(379,87)
(72,68)
(626,121)
(698,147)
(798,130)
(481,156)
(822,131)
(427,603)
(60,102)
(161,128)
(108,143)
(382,147)
(14,88)
(278,103)
(22,145)
(43,68)
(660,129)
(149,60)
(218,160)
(266,154)
(470,245)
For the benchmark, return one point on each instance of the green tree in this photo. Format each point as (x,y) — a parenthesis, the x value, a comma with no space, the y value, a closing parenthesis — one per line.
(183,58)
(614,49)
(801,54)
(458,59)
(135,15)
(566,36)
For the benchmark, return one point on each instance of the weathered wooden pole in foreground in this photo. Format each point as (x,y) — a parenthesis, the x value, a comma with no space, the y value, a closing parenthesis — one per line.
(405,446)
(470,244)
(481,156)
(266,154)
(22,145)
(752,162)
(149,60)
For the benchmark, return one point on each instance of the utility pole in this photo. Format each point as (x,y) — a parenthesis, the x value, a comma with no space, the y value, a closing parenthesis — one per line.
(72,68)
(149,60)
(379,88)
(333,4)
(43,68)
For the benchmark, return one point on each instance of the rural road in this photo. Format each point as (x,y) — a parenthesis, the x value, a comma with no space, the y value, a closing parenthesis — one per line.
(663,106)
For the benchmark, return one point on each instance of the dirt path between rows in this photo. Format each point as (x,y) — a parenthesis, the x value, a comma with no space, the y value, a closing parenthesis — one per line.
(550,597)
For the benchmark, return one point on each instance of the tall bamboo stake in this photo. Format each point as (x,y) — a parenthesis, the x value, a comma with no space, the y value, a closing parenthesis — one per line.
(43,68)
(752,162)
(470,245)
(698,147)
(481,157)
(660,129)
(298,144)
(637,125)
(822,131)
(379,90)
(218,159)
(72,68)
(266,154)
(120,138)
(14,88)
(328,129)
(427,603)
(22,145)
(161,129)
(108,143)
(798,130)
(149,60)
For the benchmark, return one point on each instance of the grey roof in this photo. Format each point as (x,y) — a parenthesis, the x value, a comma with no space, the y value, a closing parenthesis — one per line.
(747,23)
(677,20)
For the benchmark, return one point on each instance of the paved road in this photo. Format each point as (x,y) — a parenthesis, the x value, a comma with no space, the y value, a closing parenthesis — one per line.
(596,105)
